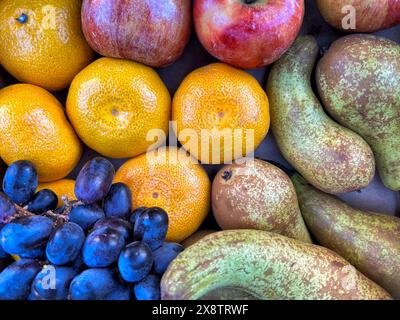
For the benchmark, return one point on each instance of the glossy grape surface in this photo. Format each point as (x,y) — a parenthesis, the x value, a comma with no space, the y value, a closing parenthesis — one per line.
(7,208)
(148,288)
(20,182)
(136,213)
(164,255)
(102,247)
(43,201)
(86,215)
(118,202)
(151,227)
(52,283)
(120,225)
(94,180)
(65,244)
(26,237)
(16,279)
(135,261)
(95,284)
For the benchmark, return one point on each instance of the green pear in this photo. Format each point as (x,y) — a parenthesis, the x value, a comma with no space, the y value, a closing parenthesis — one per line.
(254,264)
(359,83)
(331,157)
(370,241)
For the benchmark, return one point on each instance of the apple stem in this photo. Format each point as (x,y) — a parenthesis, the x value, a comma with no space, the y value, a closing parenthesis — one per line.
(250,1)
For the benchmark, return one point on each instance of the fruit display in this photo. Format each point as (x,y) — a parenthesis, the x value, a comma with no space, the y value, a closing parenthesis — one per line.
(370,65)
(106,256)
(137,160)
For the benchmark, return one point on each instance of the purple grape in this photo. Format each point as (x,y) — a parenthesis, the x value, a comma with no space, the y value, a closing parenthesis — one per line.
(86,215)
(118,202)
(151,227)
(148,288)
(20,182)
(94,180)
(164,255)
(102,247)
(135,261)
(120,225)
(7,208)
(43,201)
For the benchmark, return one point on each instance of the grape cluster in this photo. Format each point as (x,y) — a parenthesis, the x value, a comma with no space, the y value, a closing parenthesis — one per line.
(94,248)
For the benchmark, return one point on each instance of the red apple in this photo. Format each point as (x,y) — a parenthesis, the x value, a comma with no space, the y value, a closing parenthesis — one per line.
(248,33)
(368,15)
(153,32)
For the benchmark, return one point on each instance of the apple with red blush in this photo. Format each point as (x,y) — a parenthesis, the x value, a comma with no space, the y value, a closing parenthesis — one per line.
(248,33)
(153,32)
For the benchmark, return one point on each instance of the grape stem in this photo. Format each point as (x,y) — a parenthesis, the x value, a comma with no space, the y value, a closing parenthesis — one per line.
(58,218)
(21,213)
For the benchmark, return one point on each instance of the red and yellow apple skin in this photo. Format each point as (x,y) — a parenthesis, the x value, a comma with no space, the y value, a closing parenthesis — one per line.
(152,32)
(371,15)
(248,33)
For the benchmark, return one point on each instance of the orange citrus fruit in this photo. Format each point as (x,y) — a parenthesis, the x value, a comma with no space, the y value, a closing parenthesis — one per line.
(34,127)
(41,41)
(63,187)
(170,179)
(221,113)
(114,104)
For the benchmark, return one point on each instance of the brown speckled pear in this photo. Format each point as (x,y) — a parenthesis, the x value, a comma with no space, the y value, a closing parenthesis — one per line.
(257,195)
(253,264)
(331,157)
(370,241)
(359,83)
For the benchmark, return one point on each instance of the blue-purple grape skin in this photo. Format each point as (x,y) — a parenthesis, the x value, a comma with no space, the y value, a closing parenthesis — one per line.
(151,227)
(135,261)
(43,201)
(16,279)
(26,237)
(120,225)
(96,284)
(94,180)
(20,182)
(102,247)
(65,244)
(86,215)
(7,209)
(148,288)
(164,255)
(118,202)
(52,283)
